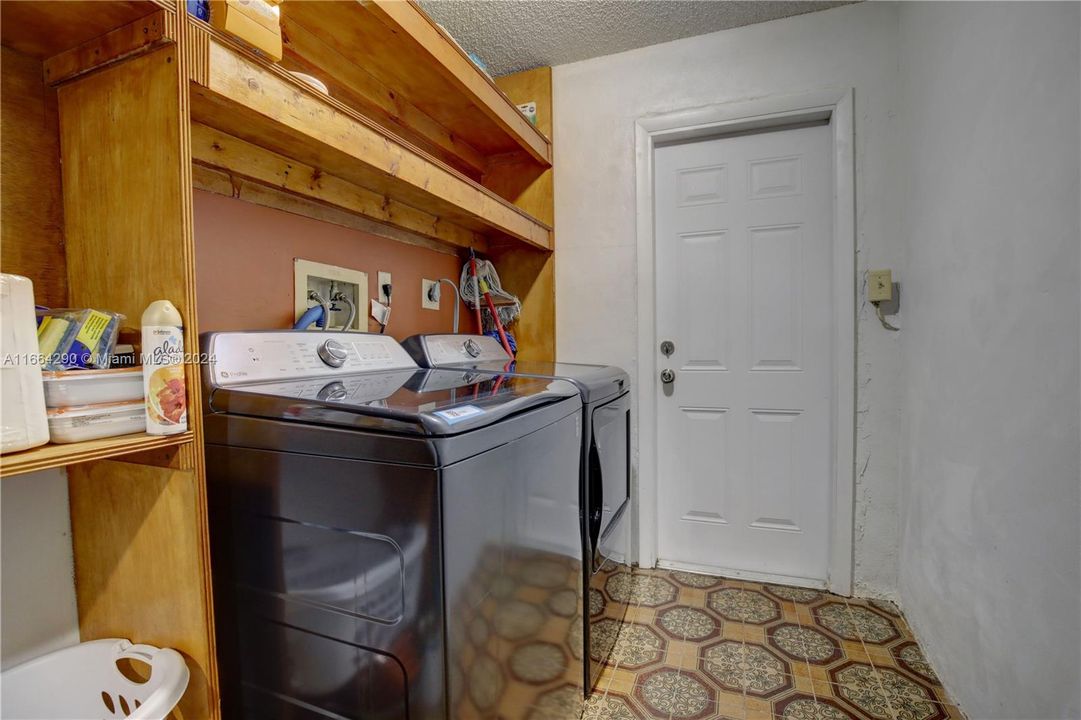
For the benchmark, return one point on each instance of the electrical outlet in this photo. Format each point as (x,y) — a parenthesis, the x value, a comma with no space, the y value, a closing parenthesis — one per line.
(879,285)
(429,294)
(384,279)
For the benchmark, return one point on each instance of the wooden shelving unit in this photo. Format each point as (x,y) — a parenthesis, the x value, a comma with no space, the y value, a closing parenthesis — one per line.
(113,110)
(395,65)
(53,456)
(97,211)
(274,128)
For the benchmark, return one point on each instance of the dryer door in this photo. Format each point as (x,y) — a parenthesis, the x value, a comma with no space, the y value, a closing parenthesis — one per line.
(609,478)
(608,488)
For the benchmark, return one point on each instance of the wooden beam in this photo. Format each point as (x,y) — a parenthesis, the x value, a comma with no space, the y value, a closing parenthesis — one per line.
(143,35)
(222,183)
(192,457)
(127,211)
(216,149)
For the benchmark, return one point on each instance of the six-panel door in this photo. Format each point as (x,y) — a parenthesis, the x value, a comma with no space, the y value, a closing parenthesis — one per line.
(743,244)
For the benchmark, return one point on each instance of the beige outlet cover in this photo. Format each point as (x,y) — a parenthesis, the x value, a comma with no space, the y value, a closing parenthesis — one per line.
(302,269)
(879,285)
(425,303)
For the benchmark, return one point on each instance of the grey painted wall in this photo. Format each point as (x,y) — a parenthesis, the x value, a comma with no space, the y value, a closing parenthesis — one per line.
(990,552)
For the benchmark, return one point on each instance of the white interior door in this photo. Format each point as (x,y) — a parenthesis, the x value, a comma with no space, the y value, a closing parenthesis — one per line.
(744,293)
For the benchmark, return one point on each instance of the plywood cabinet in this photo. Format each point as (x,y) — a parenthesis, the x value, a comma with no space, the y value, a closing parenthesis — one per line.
(104,158)
(109,107)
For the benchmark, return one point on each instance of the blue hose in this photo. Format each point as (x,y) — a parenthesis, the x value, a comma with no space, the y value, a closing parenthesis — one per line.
(313,314)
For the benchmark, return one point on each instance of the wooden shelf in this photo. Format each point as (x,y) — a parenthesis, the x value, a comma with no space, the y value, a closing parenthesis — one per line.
(391,54)
(51,456)
(268,118)
(44,29)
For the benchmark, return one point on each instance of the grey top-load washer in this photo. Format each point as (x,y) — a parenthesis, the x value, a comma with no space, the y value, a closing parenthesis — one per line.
(387,541)
(605,481)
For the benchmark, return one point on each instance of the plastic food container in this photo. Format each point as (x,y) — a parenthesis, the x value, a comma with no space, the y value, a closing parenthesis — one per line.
(90,422)
(66,388)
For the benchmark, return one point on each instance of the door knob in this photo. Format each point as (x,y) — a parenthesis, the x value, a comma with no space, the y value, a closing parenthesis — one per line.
(667,376)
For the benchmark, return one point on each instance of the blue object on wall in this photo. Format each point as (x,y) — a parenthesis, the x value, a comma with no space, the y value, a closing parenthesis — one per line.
(510,339)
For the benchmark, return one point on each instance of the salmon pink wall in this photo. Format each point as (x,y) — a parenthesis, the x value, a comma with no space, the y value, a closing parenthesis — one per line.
(244,263)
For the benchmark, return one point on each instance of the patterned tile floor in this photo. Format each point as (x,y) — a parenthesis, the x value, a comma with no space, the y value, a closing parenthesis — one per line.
(704,648)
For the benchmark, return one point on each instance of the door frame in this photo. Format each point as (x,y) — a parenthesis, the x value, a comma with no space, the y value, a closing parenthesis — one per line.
(837,106)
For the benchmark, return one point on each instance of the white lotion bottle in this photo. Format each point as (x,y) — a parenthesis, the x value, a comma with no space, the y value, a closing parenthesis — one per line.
(163,369)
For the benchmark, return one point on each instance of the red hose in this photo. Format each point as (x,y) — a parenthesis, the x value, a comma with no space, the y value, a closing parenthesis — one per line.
(476,284)
(498,324)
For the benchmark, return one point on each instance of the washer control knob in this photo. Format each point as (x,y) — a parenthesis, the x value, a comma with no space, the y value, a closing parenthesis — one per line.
(333,391)
(333,353)
(472,348)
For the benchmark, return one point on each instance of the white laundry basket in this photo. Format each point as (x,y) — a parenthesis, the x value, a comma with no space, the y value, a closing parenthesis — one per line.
(82,682)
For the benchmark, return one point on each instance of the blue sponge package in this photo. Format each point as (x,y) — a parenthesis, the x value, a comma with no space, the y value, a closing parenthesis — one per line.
(77,339)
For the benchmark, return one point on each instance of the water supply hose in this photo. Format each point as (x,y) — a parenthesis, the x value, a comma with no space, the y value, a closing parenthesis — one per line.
(352,308)
(314,314)
(313,295)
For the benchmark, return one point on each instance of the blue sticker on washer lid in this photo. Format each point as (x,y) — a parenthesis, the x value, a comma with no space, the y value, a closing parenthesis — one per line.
(457,414)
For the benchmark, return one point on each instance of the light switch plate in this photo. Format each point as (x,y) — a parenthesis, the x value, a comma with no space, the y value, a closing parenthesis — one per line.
(879,285)
(426,300)
(384,279)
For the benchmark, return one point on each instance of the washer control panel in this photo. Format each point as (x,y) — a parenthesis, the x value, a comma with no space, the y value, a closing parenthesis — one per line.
(443,350)
(235,358)
(333,353)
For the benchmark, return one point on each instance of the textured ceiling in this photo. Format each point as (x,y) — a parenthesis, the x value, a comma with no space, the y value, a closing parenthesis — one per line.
(512,35)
